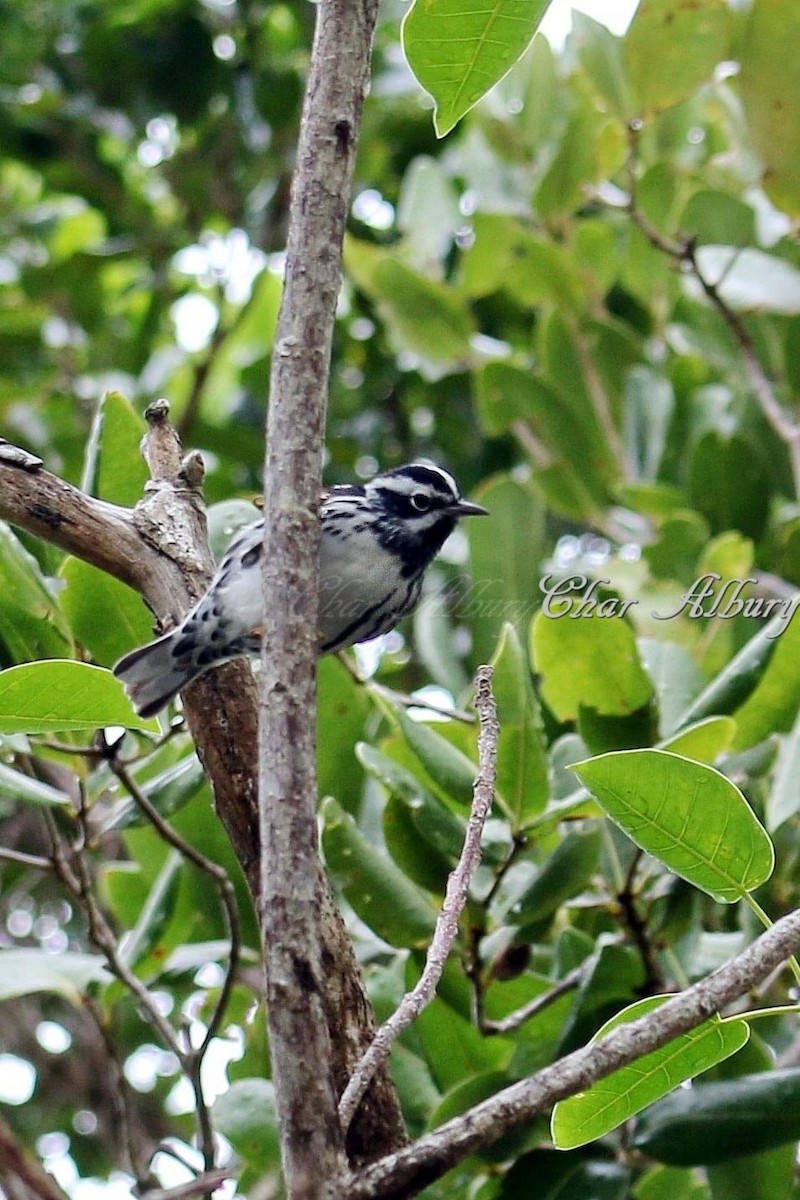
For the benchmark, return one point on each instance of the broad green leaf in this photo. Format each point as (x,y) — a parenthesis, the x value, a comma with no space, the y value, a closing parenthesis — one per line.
(448,768)
(427,212)
(687,815)
(587,661)
(613,976)
(342,709)
(649,409)
(686,41)
(425,316)
(600,54)
(605,1105)
(770,90)
(26,970)
(676,677)
(565,873)
(385,899)
(54,696)
(705,741)
(738,680)
(246,1115)
(441,828)
(504,562)
(31,625)
(729,483)
(454,1048)
(415,857)
(714,1122)
(458,49)
(773,705)
(522,768)
(89,592)
(121,470)
(16,786)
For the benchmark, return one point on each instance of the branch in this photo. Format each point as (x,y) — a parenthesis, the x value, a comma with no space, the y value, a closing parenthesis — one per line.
(409,1170)
(312,1142)
(455,898)
(160,549)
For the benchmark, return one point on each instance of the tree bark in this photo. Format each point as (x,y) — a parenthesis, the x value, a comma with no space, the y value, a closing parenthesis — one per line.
(304,1067)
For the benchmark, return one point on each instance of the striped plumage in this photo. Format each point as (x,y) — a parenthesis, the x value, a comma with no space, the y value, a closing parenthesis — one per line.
(376,543)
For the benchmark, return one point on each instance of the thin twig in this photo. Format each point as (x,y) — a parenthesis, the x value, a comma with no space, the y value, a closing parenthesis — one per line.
(26,860)
(403,698)
(446,930)
(220,879)
(517,1019)
(406,1171)
(683,250)
(192,1060)
(78,882)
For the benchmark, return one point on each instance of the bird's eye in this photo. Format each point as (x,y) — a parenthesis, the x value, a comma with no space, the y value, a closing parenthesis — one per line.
(420,502)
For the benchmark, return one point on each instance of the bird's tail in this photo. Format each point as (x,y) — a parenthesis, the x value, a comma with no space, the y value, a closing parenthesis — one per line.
(154,673)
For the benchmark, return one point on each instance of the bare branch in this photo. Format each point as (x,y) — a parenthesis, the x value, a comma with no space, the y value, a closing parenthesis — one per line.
(515,1020)
(455,898)
(302,1059)
(407,1171)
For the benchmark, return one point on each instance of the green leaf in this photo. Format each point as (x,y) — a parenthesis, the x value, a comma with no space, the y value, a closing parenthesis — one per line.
(426,317)
(31,625)
(385,899)
(415,857)
(714,1122)
(770,90)
(676,677)
(729,483)
(504,562)
(114,468)
(605,1105)
(705,741)
(342,709)
(54,696)
(90,591)
(588,661)
(522,767)
(738,680)
(16,786)
(685,40)
(442,829)
(26,971)
(458,49)
(564,874)
(773,705)
(448,768)
(687,815)
(246,1115)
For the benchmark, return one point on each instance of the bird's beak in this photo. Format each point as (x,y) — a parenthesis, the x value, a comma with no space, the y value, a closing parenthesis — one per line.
(465,508)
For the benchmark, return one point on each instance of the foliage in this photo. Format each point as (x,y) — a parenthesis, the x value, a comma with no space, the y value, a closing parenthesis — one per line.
(585,302)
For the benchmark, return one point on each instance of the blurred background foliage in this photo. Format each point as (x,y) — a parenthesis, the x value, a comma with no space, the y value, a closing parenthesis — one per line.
(585,302)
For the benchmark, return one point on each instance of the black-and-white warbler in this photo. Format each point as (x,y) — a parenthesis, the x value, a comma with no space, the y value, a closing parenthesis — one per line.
(376,543)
